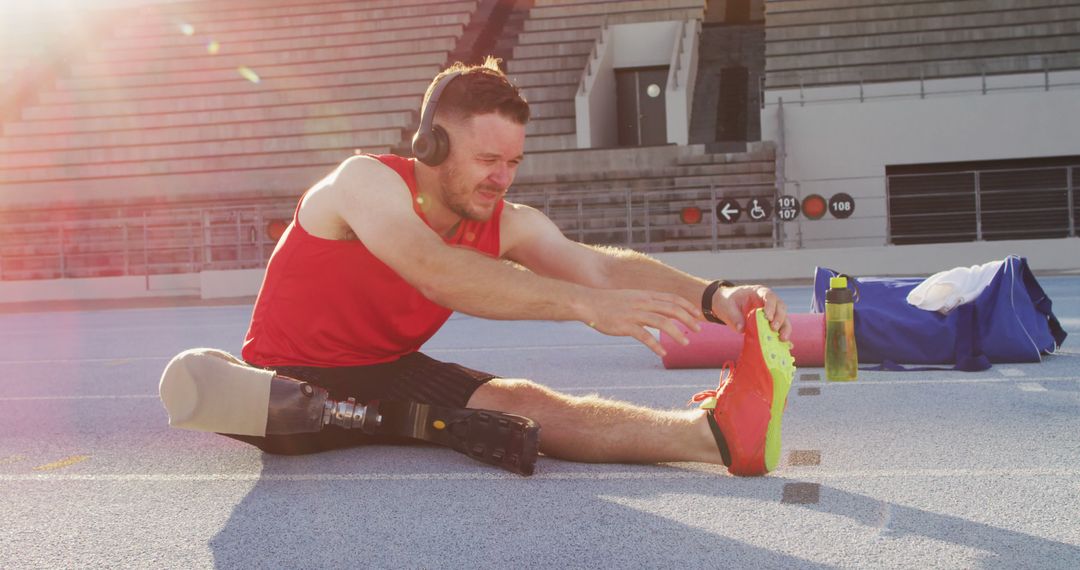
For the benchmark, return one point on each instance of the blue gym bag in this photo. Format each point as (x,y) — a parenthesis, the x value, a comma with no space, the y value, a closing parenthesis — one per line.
(1010,321)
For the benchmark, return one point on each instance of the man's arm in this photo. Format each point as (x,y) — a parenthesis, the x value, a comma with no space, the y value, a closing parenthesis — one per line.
(616,268)
(374,201)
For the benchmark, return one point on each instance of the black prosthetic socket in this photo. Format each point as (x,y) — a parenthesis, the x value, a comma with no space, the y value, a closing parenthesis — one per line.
(504,440)
(298,407)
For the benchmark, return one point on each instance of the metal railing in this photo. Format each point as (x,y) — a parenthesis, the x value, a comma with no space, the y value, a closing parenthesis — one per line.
(184,240)
(938,207)
(985,204)
(654,220)
(929,79)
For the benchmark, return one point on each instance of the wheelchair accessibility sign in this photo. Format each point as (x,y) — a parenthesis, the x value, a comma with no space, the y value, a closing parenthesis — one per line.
(759,210)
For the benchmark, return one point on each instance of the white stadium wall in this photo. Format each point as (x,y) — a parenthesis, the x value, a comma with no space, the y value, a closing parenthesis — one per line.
(829,141)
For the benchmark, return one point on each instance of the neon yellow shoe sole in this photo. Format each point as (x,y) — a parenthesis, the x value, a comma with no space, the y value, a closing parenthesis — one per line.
(781,365)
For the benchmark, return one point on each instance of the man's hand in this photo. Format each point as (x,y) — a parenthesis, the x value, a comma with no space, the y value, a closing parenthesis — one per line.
(729,304)
(626,312)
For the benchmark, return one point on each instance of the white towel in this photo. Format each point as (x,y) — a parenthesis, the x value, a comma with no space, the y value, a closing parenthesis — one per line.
(946,290)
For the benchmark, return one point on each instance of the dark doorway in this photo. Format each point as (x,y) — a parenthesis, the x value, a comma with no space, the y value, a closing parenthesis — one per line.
(737,12)
(731,104)
(640,96)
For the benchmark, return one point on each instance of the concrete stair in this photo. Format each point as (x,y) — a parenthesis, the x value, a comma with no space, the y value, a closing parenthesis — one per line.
(597,20)
(548,64)
(722,48)
(553,48)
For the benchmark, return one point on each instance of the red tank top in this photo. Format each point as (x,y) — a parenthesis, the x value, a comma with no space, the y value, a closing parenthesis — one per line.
(332,303)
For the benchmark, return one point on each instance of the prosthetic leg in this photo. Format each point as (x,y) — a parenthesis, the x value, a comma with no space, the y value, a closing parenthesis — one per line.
(209,390)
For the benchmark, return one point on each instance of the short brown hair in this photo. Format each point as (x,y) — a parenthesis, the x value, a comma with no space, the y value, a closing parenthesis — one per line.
(479,90)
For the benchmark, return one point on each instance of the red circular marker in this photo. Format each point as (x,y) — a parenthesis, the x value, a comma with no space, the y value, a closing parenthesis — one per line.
(274,229)
(690,215)
(814,207)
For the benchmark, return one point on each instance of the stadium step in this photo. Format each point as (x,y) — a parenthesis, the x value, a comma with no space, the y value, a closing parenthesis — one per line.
(550,126)
(597,20)
(409,93)
(847,29)
(249,35)
(391,105)
(305,126)
(23,166)
(238,84)
(567,11)
(427,60)
(163,26)
(550,93)
(80,173)
(552,109)
(541,143)
(946,40)
(174,180)
(255,60)
(561,49)
(574,62)
(200,47)
(545,78)
(555,36)
(232,10)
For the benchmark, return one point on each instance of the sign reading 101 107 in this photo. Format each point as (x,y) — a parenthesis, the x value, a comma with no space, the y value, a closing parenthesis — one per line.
(787,208)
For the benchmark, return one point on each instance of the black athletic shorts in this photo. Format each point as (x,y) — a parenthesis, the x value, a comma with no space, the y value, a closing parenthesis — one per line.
(415,377)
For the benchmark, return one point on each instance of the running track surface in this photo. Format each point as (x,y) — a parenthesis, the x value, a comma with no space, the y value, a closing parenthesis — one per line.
(917,469)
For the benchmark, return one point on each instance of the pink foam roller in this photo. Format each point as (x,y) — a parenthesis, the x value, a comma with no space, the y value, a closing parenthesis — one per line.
(716,344)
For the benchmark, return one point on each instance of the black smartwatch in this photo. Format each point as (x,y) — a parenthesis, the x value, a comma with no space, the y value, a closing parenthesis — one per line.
(706,300)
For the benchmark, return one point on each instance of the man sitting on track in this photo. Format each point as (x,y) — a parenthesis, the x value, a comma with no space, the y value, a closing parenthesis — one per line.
(382,250)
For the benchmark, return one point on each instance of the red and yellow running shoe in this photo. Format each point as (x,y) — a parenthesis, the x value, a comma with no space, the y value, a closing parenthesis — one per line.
(746,410)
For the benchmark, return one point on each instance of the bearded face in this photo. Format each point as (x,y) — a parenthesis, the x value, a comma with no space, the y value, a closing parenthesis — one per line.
(485,151)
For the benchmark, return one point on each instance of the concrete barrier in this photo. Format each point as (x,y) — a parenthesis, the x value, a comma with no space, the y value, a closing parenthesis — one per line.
(741,266)
(747,266)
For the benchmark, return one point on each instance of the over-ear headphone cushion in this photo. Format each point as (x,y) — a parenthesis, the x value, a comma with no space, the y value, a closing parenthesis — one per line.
(442,145)
(431,148)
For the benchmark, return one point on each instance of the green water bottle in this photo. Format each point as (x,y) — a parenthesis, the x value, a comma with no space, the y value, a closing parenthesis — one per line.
(841,358)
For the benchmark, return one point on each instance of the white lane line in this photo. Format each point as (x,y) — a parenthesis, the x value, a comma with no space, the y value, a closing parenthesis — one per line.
(705,473)
(1031,386)
(1011,372)
(530,348)
(111,360)
(559,347)
(620,388)
(100,397)
(856,383)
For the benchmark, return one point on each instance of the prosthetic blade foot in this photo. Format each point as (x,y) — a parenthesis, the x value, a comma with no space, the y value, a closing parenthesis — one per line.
(505,440)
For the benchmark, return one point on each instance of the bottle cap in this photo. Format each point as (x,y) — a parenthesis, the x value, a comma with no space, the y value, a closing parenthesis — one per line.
(838,282)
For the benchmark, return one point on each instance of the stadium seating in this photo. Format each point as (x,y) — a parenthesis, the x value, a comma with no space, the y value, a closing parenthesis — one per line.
(189,100)
(180,141)
(830,42)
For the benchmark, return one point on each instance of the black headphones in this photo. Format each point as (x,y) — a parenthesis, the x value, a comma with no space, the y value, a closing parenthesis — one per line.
(431,144)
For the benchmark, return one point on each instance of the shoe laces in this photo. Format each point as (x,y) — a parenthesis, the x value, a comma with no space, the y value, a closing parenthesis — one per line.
(729,369)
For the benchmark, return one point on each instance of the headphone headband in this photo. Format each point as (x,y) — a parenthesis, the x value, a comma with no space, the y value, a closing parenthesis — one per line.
(431,144)
(427,118)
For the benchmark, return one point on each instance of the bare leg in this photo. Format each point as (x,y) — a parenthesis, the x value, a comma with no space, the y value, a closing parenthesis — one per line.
(594,429)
